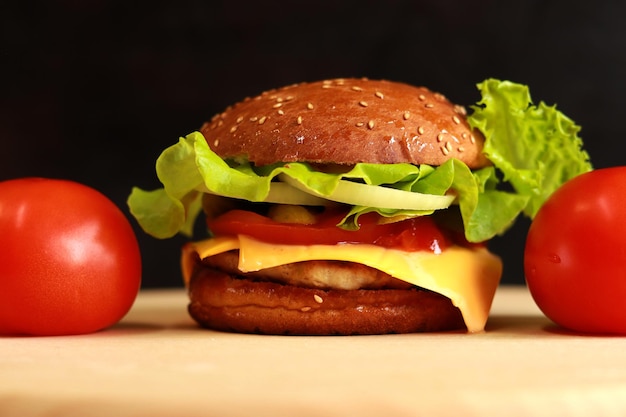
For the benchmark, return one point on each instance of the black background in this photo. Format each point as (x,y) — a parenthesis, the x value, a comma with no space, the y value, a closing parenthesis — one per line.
(94,90)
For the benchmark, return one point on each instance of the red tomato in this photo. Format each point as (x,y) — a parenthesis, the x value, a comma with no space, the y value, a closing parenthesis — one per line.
(69,259)
(419,233)
(575,253)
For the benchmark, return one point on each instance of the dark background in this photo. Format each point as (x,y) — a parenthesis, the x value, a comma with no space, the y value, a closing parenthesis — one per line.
(94,90)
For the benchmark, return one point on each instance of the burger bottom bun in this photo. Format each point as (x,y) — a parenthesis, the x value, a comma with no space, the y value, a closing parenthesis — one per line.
(223,302)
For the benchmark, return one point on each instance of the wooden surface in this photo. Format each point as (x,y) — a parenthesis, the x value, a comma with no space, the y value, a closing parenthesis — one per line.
(156,362)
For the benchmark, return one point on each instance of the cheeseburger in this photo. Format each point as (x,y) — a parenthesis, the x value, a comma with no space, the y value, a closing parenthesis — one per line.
(354,206)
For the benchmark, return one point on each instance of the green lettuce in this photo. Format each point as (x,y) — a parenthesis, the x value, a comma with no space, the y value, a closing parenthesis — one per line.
(537,148)
(534,149)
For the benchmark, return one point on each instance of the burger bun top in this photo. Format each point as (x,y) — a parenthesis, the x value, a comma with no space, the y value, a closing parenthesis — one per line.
(346,121)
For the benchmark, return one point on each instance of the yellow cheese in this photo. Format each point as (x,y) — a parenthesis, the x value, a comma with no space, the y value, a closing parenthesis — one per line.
(468,277)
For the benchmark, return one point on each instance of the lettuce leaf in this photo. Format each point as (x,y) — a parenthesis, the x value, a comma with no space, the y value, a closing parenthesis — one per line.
(534,149)
(190,168)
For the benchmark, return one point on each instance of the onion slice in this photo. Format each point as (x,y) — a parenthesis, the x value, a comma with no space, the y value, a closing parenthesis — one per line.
(282,193)
(356,194)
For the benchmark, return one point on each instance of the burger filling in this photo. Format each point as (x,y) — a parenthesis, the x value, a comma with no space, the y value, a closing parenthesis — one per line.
(299,225)
(303,247)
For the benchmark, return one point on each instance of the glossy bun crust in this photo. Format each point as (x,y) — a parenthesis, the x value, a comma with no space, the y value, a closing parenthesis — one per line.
(223,302)
(346,121)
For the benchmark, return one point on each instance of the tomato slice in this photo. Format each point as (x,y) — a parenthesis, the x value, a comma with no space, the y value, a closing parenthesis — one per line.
(420,233)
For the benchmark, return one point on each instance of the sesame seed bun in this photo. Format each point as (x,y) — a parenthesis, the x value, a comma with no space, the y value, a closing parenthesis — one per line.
(346,121)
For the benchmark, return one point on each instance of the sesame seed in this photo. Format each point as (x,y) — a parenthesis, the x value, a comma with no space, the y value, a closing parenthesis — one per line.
(448,146)
(461,149)
(464,135)
(379,95)
(326,86)
(439,96)
(440,137)
(444,150)
(406,115)
(254,119)
(472,139)
(309,106)
(262,120)
(220,123)
(370,124)
(456,120)
(318,299)
(277,105)
(422,97)
(363,103)
(216,143)
(460,109)
(305,309)
(233,129)
(420,130)
(240,119)
(288,98)
(281,112)
(299,120)
(360,124)
(429,105)
(356,88)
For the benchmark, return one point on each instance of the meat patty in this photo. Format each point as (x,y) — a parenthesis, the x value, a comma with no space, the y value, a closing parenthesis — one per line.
(340,275)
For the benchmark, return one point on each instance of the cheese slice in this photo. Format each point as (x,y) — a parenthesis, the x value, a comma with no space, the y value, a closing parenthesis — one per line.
(468,277)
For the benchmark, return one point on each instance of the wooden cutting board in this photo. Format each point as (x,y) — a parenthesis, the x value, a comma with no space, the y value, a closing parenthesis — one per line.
(156,362)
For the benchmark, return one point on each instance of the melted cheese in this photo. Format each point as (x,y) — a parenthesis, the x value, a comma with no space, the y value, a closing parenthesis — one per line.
(468,277)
